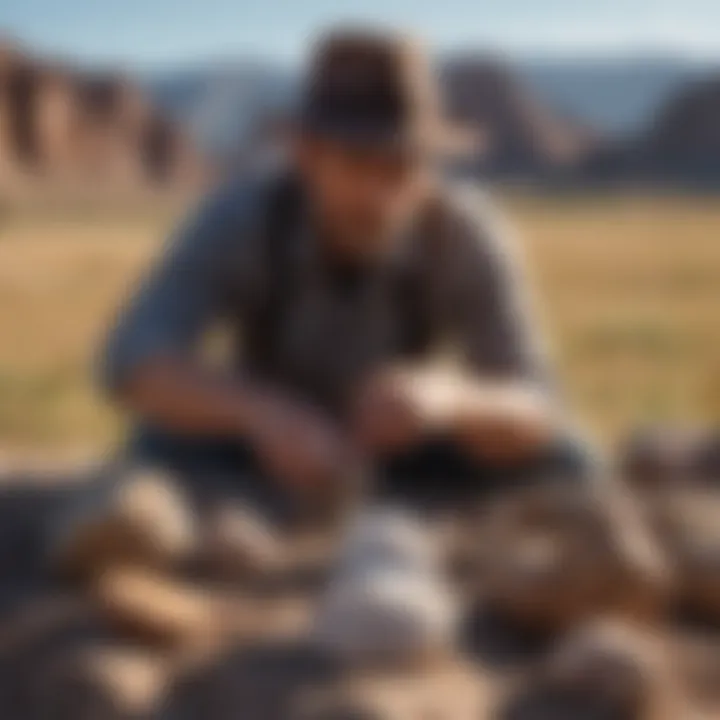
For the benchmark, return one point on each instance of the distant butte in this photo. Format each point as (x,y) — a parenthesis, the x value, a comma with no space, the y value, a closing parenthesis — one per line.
(63,125)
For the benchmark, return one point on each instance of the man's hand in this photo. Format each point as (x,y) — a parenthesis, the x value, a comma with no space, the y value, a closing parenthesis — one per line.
(297,445)
(499,422)
(399,407)
(386,415)
(504,423)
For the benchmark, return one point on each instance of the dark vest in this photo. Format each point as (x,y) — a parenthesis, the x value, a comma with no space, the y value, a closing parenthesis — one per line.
(414,303)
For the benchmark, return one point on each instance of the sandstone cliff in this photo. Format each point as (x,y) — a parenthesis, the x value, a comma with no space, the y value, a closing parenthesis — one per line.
(63,125)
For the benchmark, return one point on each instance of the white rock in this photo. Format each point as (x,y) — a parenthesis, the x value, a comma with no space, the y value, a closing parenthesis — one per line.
(386,600)
(386,536)
(385,616)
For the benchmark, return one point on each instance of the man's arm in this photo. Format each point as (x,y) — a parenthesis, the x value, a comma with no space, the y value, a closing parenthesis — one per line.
(495,401)
(502,405)
(151,364)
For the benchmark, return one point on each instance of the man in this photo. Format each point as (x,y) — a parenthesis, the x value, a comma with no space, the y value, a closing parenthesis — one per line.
(377,331)
(343,275)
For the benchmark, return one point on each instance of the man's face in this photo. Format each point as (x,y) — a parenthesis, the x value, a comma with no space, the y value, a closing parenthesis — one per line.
(364,199)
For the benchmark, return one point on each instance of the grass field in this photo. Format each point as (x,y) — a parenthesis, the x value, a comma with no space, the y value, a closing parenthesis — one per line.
(628,288)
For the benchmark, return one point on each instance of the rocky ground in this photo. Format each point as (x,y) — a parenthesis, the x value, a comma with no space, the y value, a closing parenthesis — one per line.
(625,625)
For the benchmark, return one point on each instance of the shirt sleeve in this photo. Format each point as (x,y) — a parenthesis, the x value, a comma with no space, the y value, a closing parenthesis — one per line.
(184,292)
(495,326)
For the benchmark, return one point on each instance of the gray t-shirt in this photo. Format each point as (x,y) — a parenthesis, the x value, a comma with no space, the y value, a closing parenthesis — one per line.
(329,338)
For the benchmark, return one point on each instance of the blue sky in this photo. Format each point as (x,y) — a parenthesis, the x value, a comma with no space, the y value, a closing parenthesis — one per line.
(159,32)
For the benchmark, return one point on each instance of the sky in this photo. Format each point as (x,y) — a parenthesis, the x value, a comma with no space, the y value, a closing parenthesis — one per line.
(167,32)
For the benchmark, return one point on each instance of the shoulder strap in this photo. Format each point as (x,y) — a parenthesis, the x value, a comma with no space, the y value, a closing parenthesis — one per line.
(415,297)
(417,294)
(280,218)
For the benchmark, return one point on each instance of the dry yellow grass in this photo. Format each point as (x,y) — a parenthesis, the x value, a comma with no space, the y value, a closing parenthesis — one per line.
(60,283)
(629,290)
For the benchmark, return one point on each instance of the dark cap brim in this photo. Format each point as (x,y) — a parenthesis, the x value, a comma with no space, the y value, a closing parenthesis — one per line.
(439,139)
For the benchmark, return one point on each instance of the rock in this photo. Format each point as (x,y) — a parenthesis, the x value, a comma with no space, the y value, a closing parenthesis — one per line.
(134,516)
(606,670)
(337,707)
(264,680)
(63,124)
(706,464)
(452,691)
(385,617)
(687,519)
(645,576)
(520,134)
(29,635)
(684,140)
(671,456)
(146,605)
(41,618)
(112,682)
(548,557)
(387,601)
(698,661)
(390,536)
(239,544)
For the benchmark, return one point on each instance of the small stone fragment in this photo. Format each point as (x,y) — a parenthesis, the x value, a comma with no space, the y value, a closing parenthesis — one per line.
(146,605)
(132,516)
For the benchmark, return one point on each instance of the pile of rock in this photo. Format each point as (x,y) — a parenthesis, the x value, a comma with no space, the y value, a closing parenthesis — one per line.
(169,612)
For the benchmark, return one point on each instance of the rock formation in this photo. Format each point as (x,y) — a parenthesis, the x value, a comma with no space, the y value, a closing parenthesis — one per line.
(520,135)
(684,140)
(68,125)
